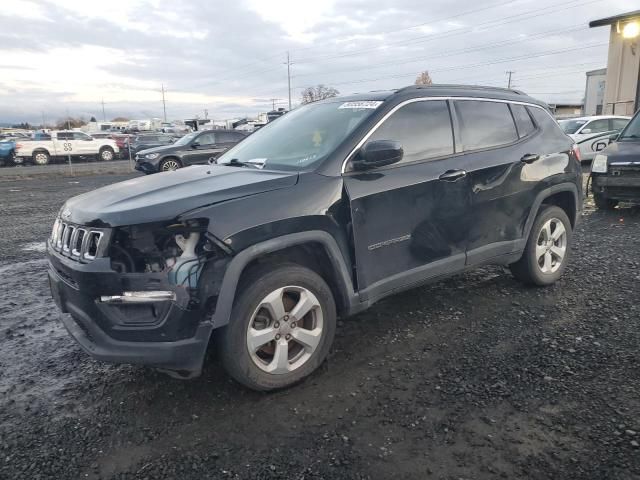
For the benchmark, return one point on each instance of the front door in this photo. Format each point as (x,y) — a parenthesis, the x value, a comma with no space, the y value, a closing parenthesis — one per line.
(204,148)
(409,218)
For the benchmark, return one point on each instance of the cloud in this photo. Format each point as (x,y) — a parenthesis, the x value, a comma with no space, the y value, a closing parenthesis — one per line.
(229,57)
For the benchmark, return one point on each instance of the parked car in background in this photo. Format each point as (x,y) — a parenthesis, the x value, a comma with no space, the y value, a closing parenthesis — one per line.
(7,152)
(144,141)
(63,144)
(319,214)
(192,149)
(615,171)
(587,131)
(122,141)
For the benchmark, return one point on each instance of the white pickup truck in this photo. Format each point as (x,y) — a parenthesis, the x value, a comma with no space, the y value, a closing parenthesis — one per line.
(63,144)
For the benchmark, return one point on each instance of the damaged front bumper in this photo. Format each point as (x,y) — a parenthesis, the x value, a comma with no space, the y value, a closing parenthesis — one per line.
(620,183)
(166,332)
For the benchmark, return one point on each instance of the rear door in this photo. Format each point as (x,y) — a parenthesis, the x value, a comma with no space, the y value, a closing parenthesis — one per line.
(64,144)
(507,159)
(409,218)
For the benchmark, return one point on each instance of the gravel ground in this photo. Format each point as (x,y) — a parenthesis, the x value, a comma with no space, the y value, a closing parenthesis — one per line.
(474,377)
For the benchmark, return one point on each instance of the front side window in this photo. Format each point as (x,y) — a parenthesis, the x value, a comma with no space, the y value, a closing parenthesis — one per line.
(523,120)
(302,138)
(422,128)
(484,124)
(596,126)
(206,139)
(80,136)
(618,123)
(571,126)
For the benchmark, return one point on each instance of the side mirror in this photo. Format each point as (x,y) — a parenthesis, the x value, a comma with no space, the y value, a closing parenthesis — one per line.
(585,130)
(600,146)
(378,153)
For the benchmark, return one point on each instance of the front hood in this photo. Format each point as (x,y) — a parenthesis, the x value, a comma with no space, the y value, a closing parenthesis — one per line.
(622,152)
(161,149)
(164,196)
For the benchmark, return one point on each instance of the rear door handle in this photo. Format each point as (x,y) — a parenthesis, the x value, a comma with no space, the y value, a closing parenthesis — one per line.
(452,175)
(530,158)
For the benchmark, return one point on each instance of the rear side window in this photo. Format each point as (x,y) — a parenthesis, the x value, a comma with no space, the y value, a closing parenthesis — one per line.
(545,121)
(422,128)
(226,137)
(484,124)
(523,120)
(618,123)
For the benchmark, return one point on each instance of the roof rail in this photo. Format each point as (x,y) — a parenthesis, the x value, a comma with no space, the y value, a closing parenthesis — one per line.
(462,87)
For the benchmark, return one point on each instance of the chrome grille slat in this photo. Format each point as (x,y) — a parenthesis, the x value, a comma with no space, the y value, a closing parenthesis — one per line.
(76,242)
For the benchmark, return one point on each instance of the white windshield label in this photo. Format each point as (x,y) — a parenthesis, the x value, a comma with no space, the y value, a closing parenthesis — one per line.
(363,104)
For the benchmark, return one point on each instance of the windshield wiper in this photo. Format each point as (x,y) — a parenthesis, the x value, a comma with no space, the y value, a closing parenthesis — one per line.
(234,162)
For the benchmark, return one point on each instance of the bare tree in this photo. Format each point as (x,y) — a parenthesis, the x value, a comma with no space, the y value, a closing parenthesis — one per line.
(70,122)
(320,92)
(424,79)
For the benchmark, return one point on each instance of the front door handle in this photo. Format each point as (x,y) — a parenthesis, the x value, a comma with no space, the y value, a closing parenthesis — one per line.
(453,175)
(530,158)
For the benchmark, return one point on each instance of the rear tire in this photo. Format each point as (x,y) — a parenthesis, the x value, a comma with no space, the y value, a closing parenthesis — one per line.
(276,311)
(547,250)
(106,154)
(41,158)
(603,203)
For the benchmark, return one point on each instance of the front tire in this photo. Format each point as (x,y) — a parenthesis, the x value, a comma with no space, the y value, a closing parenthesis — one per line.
(281,329)
(603,203)
(547,250)
(41,158)
(106,154)
(170,165)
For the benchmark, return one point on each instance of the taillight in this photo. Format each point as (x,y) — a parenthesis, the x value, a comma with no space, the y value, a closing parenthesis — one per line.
(576,152)
(18,146)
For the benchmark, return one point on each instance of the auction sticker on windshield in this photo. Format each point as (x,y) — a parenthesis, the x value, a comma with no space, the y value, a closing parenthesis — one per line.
(363,104)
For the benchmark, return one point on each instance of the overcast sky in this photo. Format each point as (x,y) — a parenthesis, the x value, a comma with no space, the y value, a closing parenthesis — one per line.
(228,57)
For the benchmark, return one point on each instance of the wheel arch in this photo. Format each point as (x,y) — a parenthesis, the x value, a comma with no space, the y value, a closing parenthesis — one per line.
(564,195)
(301,248)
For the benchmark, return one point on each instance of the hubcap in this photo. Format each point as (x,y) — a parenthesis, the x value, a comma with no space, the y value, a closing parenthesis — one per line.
(285,330)
(170,165)
(41,158)
(551,246)
(107,155)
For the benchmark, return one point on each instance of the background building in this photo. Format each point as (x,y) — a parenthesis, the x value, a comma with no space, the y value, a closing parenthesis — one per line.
(623,63)
(594,92)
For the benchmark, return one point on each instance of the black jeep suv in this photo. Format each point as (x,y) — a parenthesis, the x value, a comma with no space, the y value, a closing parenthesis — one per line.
(615,171)
(321,213)
(192,149)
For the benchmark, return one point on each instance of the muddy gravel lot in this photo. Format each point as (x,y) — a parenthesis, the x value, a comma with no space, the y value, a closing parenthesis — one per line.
(476,377)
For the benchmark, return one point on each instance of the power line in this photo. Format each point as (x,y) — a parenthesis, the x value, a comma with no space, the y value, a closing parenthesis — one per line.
(464,30)
(460,51)
(461,67)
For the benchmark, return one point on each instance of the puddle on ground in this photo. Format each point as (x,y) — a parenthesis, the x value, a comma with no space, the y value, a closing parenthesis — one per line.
(34,247)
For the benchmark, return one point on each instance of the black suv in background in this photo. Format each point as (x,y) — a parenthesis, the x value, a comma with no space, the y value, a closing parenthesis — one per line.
(192,149)
(318,215)
(615,171)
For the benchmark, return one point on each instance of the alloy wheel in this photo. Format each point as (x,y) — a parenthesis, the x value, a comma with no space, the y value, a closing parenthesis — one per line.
(107,155)
(41,158)
(170,165)
(551,246)
(285,330)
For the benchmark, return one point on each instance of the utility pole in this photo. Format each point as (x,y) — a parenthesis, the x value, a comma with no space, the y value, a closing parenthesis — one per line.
(206,114)
(289,78)
(273,103)
(509,72)
(164,105)
(104,115)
